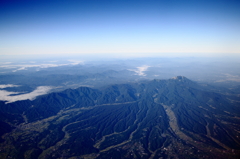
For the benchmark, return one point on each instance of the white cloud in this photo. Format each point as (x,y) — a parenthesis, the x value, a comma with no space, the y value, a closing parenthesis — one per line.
(24,67)
(5,63)
(75,62)
(8,85)
(18,67)
(140,70)
(12,97)
(229,77)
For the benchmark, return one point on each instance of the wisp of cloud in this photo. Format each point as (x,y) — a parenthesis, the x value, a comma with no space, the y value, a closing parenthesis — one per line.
(10,97)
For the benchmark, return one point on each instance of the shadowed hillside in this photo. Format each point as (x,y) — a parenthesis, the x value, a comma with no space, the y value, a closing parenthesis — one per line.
(174,118)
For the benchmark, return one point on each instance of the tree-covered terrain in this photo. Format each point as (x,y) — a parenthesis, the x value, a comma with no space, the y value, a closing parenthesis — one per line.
(174,118)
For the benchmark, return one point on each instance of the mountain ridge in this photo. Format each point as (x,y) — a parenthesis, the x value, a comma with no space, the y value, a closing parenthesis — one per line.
(169,118)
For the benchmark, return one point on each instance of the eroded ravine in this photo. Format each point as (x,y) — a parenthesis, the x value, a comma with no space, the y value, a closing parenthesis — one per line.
(201,146)
(131,134)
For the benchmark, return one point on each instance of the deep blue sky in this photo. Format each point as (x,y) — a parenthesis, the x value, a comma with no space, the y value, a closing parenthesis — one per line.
(120,28)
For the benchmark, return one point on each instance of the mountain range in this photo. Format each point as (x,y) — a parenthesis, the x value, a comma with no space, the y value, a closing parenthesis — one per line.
(173,118)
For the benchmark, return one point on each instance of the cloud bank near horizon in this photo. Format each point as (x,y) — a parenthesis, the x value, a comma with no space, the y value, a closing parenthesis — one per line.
(18,67)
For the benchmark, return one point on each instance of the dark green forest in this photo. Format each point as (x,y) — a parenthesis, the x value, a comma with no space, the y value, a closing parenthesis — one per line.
(174,118)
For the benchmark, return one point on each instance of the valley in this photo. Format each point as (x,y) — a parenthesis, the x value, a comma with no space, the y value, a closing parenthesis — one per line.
(174,118)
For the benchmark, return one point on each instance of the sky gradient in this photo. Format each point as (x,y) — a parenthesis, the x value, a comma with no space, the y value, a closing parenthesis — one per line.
(120,28)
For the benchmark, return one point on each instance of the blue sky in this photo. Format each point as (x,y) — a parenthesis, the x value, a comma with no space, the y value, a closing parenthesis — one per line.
(120,28)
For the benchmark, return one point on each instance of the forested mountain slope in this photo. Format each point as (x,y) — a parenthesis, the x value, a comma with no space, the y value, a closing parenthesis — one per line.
(175,118)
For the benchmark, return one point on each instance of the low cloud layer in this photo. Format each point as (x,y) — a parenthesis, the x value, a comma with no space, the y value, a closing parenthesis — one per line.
(140,70)
(10,97)
(7,85)
(18,67)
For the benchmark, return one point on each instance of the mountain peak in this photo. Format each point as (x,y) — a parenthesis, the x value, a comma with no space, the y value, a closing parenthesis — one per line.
(179,78)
